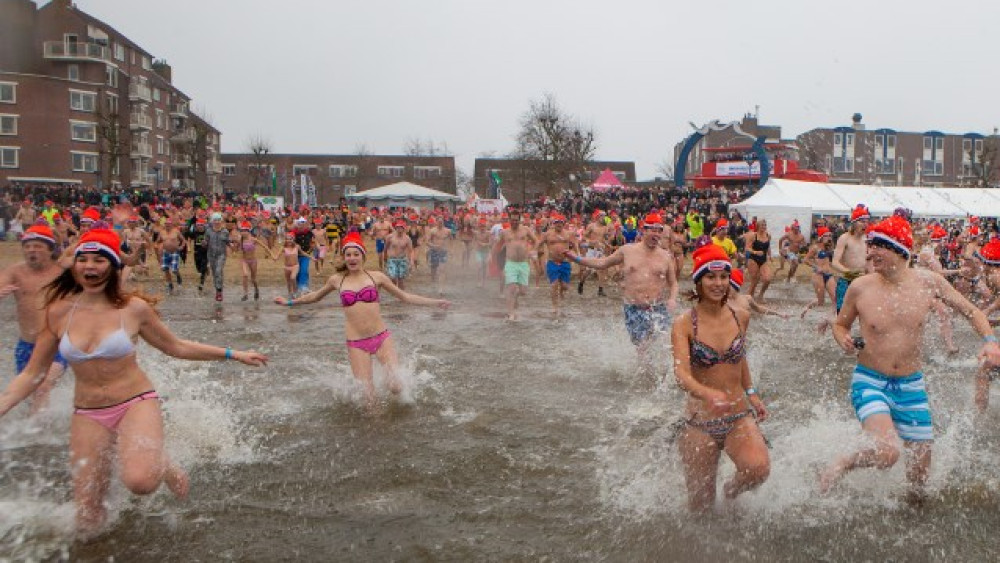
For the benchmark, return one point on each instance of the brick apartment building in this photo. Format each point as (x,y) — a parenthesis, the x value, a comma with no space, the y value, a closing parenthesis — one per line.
(853,154)
(334,175)
(80,103)
(520,182)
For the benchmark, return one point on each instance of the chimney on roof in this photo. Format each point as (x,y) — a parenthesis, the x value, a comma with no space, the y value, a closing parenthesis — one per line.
(856,119)
(163,69)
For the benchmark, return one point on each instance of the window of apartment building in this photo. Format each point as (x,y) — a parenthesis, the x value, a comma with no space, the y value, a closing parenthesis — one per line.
(228,169)
(82,101)
(343,171)
(843,153)
(73,72)
(84,161)
(159,119)
(160,150)
(307,169)
(8,92)
(119,51)
(619,175)
(111,73)
(885,153)
(9,157)
(83,131)
(8,124)
(116,166)
(146,63)
(391,171)
(932,163)
(111,101)
(423,172)
(156,94)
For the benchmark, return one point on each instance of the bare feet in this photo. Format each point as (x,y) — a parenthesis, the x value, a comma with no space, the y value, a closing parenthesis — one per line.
(177,481)
(823,326)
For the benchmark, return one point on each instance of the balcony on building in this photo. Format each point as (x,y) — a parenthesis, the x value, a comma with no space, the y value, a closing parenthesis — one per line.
(140,121)
(143,179)
(213,166)
(75,51)
(180,161)
(179,110)
(140,93)
(141,150)
(183,137)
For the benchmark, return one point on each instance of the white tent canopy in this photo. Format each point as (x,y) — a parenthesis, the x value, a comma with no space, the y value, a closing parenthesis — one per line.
(404,194)
(780,202)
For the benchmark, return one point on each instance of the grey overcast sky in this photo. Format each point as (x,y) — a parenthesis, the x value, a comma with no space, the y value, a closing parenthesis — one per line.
(327,76)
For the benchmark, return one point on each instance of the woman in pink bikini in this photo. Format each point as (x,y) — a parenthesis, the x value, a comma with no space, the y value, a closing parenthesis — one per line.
(289,256)
(94,325)
(248,245)
(366,333)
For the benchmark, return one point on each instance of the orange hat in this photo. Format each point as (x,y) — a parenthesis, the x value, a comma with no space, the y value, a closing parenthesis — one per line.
(736,279)
(822,232)
(399,223)
(860,213)
(200,221)
(352,240)
(710,257)
(990,253)
(652,219)
(720,224)
(91,214)
(39,232)
(245,226)
(101,241)
(894,233)
(938,234)
(558,218)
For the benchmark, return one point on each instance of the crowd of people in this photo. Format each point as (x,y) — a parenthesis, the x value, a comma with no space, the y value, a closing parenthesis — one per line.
(885,275)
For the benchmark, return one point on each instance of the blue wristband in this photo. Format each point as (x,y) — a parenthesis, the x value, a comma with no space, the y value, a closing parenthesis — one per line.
(290,302)
(990,338)
(229,353)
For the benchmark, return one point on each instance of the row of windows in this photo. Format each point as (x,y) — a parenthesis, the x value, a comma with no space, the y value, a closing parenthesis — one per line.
(888,166)
(346,170)
(10,157)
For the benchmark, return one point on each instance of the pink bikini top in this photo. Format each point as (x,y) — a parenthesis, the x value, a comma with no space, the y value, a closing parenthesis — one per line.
(367,294)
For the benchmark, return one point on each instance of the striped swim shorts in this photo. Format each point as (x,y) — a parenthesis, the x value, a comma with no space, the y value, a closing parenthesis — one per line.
(904,399)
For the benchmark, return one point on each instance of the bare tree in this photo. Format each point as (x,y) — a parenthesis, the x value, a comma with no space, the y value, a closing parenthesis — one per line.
(196,150)
(552,145)
(259,147)
(365,161)
(111,142)
(665,169)
(989,162)
(417,147)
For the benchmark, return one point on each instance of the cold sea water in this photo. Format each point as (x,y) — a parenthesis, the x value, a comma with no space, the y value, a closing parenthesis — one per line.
(532,440)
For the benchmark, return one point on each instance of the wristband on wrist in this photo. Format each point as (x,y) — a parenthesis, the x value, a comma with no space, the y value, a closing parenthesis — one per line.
(229,353)
(290,302)
(751,391)
(990,338)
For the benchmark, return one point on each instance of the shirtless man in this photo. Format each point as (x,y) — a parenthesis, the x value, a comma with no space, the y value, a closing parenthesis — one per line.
(650,285)
(64,232)
(595,241)
(850,253)
(557,240)
(792,242)
(380,230)
(517,241)
(989,254)
(24,218)
(887,388)
(929,259)
(171,240)
(136,240)
(969,281)
(466,234)
(26,281)
(399,254)
(437,251)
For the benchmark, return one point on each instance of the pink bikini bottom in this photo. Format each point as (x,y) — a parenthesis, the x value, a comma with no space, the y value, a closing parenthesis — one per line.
(370,344)
(110,417)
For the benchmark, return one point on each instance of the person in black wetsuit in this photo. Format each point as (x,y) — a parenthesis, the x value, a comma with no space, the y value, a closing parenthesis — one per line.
(196,233)
(758,253)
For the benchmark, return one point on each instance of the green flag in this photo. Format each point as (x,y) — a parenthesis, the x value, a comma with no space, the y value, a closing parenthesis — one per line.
(274,181)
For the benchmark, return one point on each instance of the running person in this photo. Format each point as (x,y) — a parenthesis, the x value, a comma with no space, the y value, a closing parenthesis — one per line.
(723,407)
(558,269)
(94,326)
(818,258)
(758,255)
(399,254)
(366,332)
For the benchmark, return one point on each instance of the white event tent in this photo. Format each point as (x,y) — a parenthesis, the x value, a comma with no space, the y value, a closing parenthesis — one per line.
(404,194)
(780,202)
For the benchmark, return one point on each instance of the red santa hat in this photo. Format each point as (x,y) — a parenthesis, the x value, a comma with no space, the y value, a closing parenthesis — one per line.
(894,233)
(860,213)
(652,219)
(353,240)
(709,258)
(101,241)
(399,223)
(822,232)
(736,279)
(722,223)
(938,234)
(990,253)
(90,215)
(39,232)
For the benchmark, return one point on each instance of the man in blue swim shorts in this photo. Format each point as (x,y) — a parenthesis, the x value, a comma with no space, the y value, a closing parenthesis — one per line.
(887,387)
(558,269)
(26,281)
(649,288)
